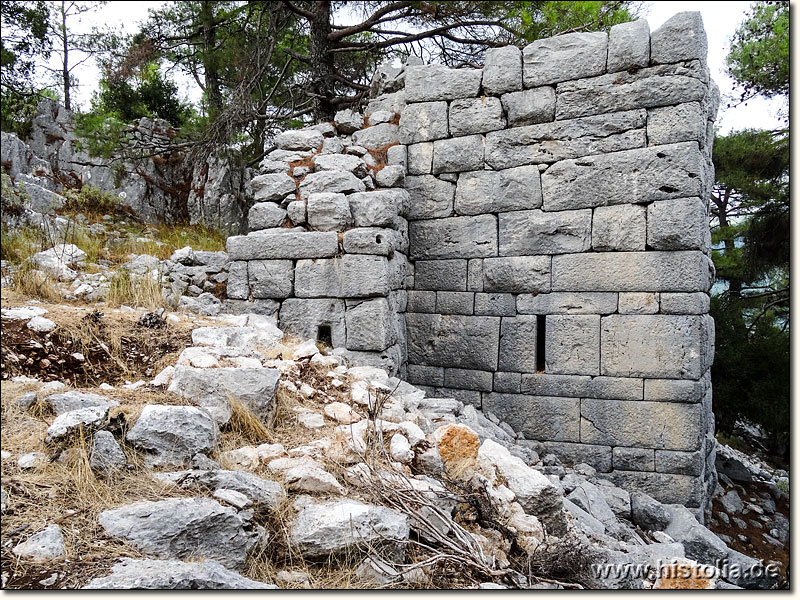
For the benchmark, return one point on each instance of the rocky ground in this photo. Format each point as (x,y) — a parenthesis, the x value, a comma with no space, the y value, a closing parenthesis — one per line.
(180,450)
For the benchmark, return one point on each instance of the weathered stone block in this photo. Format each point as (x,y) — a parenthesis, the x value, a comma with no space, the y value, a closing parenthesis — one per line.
(634,459)
(697,303)
(328,212)
(561,140)
(682,37)
(528,107)
(567,303)
(631,176)
(424,375)
(507,383)
(458,154)
(518,344)
(420,159)
(496,304)
(307,318)
(333,182)
(370,326)
(643,88)
(502,71)
(351,276)
(429,197)
(265,215)
(619,228)
(397,155)
(237,284)
(517,274)
(682,463)
(677,224)
(425,83)
(633,271)
(467,379)
(340,162)
(658,425)
(299,139)
(377,209)
(481,192)
(284,243)
(455,237)
(270,278)
(653,346)
(672,124)
(475,115)
(664,487)
(564,57)
(475,275)
(638,303)
(535,232)
(423,122)
(453,341)
(537,417)
(447,275)
(611,388)
(391,175)
(675,390)
(455,303)
(371,240)
(629,46)
(272,187)
(572,344)
(377,136)
(598,457)
(421,301)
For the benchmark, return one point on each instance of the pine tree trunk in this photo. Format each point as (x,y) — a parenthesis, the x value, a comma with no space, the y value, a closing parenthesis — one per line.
(210,65)
(322,66)
(65,64)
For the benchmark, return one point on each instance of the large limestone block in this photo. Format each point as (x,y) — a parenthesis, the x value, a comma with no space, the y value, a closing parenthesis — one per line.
(373,240)
(347,526)
(73,400)
(697,303)
(420,158)
(561,140)
(328,212)
(423,122)
(172,435)
(482,191)
(333,182)
(458,154)
(581,386)
(537,417)
(518,345)
(476,115)
(643,88)
(629,46)
(572,344)
(535,232)
(687,271)
(182,528)
(682,37)
(529,107)
(619,228)
(671,124)
(370,326)
(680,224)
(631,176)
(502,70)
(664,487)
(265,215)
(496,304)
(598,457)
(284,243)
(238,287)
(468,379)
(454,237)
(272,187)
(453,341)
(634,459)
(665,346)
(425,83)
(455,303)
(270,278)
(351,276)
(567,303)
(517,274)
(378,208)
(67,424)
(299,139)
(658,425)
(682,463)
(308,318)
(377,136)
(446,275)
(429,197)
(564,57)
(340,162)
(214,389)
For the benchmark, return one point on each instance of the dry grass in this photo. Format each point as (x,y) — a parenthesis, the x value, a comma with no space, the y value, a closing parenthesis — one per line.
(134,291)
(29,282)
(19,244)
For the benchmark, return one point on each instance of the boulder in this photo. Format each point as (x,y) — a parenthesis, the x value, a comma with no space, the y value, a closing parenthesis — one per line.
(647,513)
(106,454)
(73,400)
(57,260)
(45,545)
(265,494)
(148,574)
(172,435)
(312,480)
(700,544)
(68,423)
(182,528)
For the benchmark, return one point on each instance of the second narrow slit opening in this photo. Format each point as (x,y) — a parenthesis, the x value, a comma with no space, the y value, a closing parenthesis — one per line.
(541,333)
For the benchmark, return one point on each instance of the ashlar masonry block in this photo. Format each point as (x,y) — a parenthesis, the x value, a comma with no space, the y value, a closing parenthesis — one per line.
(572,345)
(466,342)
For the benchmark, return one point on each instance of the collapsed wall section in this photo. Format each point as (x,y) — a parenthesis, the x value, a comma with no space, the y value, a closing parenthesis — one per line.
(558,229)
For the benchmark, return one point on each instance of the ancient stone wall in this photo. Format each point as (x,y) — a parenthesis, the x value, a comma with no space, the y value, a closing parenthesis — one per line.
(553,209)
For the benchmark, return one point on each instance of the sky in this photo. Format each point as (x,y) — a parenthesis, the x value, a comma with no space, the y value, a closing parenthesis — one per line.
(720,19)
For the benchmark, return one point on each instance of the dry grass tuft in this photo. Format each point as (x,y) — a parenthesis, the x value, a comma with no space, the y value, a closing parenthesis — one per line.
(33,283)
(135,291)
(246,426)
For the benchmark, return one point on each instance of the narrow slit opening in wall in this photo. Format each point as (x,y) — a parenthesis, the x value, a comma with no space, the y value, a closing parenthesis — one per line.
(324,335)
(541,333)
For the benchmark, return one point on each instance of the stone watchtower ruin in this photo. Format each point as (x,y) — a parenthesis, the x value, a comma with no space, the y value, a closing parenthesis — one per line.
(538,244)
